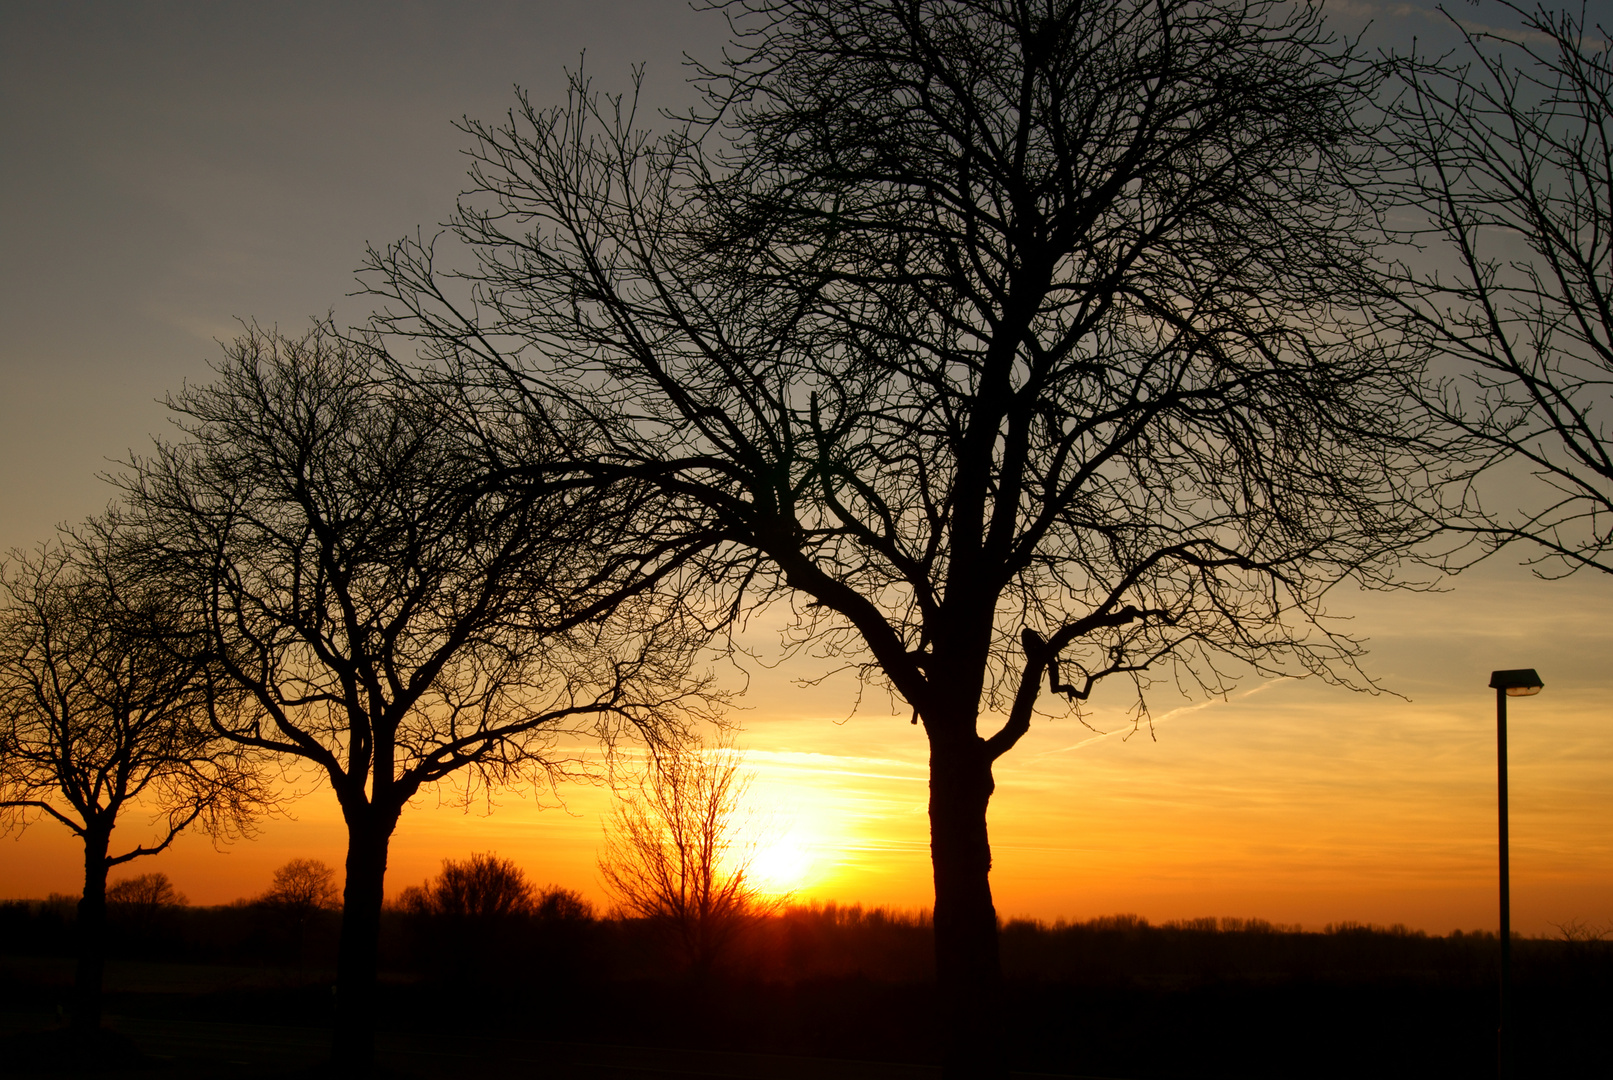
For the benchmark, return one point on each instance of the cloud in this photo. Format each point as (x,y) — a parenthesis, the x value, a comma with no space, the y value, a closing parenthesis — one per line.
(1165,717)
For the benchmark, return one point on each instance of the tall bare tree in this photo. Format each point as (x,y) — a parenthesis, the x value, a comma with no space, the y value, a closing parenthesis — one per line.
(102,713)
(1016,338)
(1506,151)
(401,617)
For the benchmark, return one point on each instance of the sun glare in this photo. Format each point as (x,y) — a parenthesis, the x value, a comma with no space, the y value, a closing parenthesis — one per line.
(783,866)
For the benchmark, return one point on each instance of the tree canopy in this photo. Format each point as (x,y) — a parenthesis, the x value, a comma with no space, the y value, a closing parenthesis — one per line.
(1011,341)
(400,615)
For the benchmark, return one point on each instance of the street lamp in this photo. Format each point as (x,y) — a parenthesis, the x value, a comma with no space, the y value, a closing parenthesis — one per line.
(1519,682)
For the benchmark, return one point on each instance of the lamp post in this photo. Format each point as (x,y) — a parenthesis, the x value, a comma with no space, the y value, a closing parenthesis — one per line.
(1519,682)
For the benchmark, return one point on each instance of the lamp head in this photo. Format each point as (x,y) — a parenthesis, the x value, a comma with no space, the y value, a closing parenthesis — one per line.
(1519,682)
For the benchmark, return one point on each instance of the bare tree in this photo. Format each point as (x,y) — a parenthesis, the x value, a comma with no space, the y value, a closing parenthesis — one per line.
(1507,164)
(1015,342)
(146,893)
(304,885)
(678,852)
(301,896)
(140,906)
(401,615)
(480,922)
(100,715)
(302,888)
(558,904)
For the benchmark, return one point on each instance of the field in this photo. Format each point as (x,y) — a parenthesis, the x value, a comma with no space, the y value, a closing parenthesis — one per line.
(821,989)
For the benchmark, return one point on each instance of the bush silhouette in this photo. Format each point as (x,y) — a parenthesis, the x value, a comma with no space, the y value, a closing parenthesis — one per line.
(555,904)
(479,919)
(483,887)
(145,894)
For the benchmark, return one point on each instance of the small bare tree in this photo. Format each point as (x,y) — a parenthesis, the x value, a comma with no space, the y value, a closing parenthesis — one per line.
(558,904)
(303,892)
(145,893)
(140,906)
(100,714)
(473,919)
(306,885)
(678,852)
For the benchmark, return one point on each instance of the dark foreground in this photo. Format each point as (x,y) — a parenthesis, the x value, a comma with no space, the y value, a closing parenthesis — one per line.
(838,993)
(175,1029)
(182,1049)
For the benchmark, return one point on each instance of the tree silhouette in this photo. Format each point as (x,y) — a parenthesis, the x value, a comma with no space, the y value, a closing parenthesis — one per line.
(100,714)
(1014,343)
(145,894)
(139,906)
(678,852)
(304,886)
(1507,155)
(557,904)
(481,921)
(301,894)
(398,614)
(483,887)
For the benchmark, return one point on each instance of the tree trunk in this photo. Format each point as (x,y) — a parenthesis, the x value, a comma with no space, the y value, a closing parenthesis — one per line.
(353,1038)
(967,964)
(91,935)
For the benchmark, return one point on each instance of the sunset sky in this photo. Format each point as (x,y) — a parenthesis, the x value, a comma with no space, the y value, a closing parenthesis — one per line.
(170,168)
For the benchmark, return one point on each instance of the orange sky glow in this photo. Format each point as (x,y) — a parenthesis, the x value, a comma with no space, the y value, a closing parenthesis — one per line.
(1291,800)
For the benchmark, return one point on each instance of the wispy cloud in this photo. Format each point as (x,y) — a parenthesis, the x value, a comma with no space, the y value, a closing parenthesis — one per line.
(1164,718)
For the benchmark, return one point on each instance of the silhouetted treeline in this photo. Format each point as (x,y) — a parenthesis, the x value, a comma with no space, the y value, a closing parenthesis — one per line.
(816,941)
(245,932)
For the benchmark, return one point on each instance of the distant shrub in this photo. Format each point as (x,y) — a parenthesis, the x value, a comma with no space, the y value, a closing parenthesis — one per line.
(146,893)
(482,887)
(557,904)
(303,886)
(297,913)
(829,940)
(140,910)
(1121,923)
(481,919)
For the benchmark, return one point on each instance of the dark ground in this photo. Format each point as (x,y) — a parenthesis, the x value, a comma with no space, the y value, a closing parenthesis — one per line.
(831,992)
(182,1050)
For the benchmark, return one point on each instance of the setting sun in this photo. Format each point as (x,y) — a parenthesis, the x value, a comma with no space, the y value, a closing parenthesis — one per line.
(782,867)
